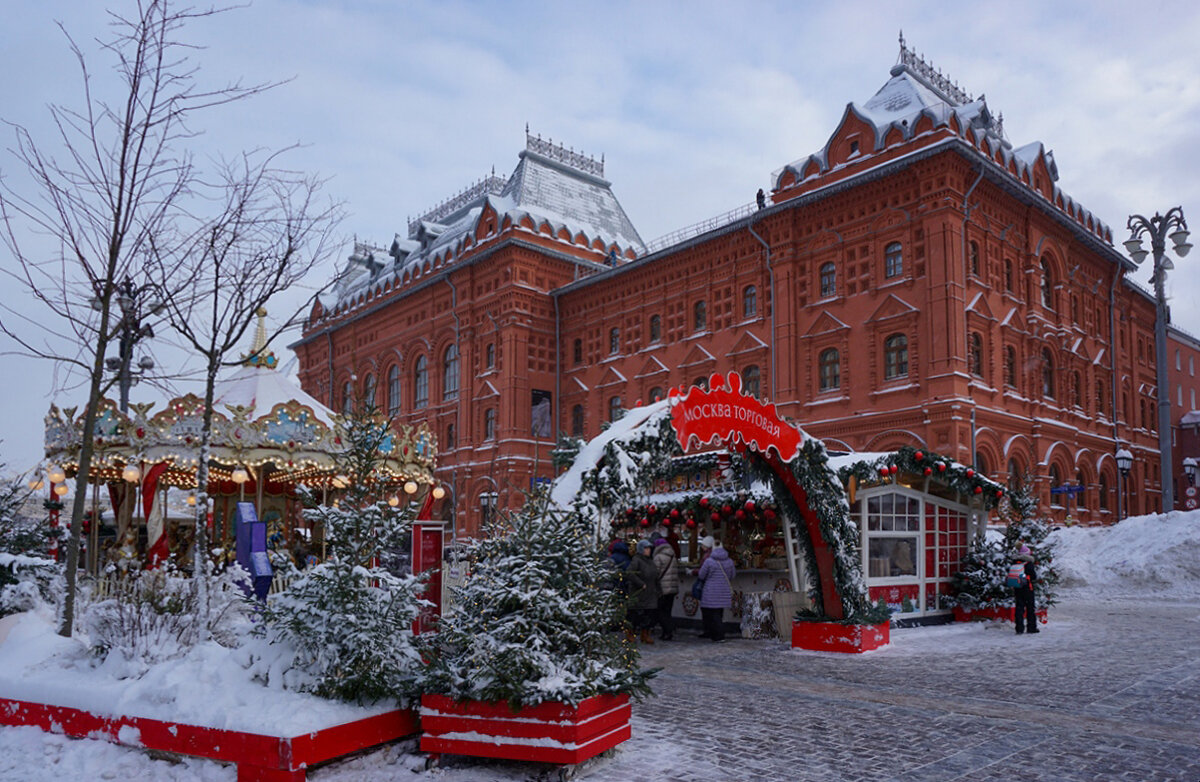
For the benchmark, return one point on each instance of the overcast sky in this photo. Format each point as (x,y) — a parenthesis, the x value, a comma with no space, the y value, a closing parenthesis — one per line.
(693,105)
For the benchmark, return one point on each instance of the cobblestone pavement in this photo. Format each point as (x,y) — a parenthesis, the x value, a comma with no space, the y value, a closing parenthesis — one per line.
(1107,691)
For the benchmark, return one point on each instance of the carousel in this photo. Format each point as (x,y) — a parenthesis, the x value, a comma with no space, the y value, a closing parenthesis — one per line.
(269,439)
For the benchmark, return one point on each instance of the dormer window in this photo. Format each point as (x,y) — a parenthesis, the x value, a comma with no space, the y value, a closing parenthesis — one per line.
(853,147)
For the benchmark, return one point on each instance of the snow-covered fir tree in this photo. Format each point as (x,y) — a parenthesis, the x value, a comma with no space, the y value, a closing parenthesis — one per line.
(350,619)
(533,621)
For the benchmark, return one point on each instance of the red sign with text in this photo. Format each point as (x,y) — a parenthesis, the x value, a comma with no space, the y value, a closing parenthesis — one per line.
(724,414)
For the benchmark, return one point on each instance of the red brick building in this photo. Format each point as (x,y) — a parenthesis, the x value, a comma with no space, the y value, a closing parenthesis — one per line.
(918,280)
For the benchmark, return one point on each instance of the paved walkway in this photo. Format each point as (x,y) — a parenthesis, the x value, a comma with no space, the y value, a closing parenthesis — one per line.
(1104,692)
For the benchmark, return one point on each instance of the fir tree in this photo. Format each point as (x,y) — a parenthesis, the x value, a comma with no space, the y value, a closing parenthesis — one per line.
(534,621)
(349,619)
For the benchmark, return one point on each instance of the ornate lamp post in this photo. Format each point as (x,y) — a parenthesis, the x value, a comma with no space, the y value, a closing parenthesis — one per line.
(134,307)
(1189,468)
(1124,464)
(1157,228)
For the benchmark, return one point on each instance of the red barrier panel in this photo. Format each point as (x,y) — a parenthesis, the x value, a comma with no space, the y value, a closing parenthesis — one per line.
(837,637)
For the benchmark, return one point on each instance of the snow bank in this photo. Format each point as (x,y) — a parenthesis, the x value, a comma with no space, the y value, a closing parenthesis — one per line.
(1142,554)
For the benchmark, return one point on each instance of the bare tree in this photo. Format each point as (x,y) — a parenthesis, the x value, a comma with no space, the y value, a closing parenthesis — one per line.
(112,185)
(269,233)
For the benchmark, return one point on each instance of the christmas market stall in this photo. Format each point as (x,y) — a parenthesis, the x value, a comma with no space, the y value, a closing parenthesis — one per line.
(269,438)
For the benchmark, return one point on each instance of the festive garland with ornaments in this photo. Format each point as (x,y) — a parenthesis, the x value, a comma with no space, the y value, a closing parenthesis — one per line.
(961,478)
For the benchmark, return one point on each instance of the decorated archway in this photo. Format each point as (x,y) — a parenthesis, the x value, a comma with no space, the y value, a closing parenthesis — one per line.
(614,468)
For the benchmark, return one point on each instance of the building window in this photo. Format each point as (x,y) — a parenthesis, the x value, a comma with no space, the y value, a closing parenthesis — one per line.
(369,392)
(828,280)
(1047,286)
(699,316)
(893,535)
(1103,493)
(981,465)
(895,356)
(489,424)
(450,373)
(614,341)
(1178,362)
(421,383)
(487,508)
(973,253)
(1047,374)
(752,381)
(577,421)
(614,408)
(1008,275)
(1100,397)
(1010,366)
(655,328)
(701,383)
(451,440)
(749,302)
(489,355)
(893,260)
(393,391)
(1076,389)
(347,397)
(577,352)
(975,354)
(830,369)
(657,394)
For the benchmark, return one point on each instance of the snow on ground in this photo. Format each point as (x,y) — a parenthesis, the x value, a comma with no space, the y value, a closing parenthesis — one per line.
(1158,554)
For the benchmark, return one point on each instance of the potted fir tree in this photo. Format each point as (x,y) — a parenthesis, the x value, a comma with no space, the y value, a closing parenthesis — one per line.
(528,663)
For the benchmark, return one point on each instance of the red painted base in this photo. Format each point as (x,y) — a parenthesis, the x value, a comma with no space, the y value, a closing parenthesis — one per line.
(835,637)
(992,614)
(547,733)
(259,758)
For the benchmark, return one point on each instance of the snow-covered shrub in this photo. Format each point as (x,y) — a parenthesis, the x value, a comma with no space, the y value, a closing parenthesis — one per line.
(28,577)
(532,622)
(151,615)
(348,621)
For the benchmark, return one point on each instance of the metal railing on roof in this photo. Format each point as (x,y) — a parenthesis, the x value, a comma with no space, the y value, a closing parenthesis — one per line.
(711,224)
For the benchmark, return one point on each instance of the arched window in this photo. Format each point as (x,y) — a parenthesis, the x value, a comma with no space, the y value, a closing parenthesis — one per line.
(893,260)
(1055,481)
(369,392)
(451,442)
(895,356)
(450,373)
(981,465)
(577,352)
(975,354)
(699,316)
(489,424)
(1014,475)
(828,279)
(1047,374)
(1103,492)
(1008,275)
(614,341)
(614,408)
(830,362)
(973,255)
(577,421)
(393,391)
(1010,366)
(421,383)
(489,355)
(752,381)
(1047,285)
(749,301)
(347,397)
(657,394)
(655,328)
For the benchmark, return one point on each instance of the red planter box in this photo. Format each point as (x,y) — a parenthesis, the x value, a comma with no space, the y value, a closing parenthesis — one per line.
(835,637)
(548,732)
(259,757)
(989,614)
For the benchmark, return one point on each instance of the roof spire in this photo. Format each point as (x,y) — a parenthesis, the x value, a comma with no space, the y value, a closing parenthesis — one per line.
(259,355)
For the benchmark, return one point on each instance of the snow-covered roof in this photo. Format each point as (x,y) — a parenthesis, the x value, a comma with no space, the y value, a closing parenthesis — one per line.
(262,388)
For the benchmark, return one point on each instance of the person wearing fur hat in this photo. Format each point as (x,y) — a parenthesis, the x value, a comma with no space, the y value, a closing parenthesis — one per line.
(643,588)
(667,566)
(717,573)
(1025,615)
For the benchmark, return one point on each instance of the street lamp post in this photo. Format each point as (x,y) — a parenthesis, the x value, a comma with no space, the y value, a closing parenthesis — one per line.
(134,307)
(1124,464)
(1189,468)
(1157,228)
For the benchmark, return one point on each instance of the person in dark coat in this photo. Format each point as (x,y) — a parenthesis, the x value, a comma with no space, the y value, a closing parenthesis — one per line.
(717,573)
(761,199)
(643,588)
(1025,615)
(667,566)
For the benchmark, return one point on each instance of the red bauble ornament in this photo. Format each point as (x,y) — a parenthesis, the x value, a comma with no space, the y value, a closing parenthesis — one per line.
(979,490)
(883,470)
(941,466)
(630,513)
(740,515)
(750,506)
(893,469)
(999,492)
(645,522)
(928,470)
(918,456)
(690,523)
(674,513)
(653,509)
(970,473)
(769,514)
(704,502)
(716,517)
(726,509)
